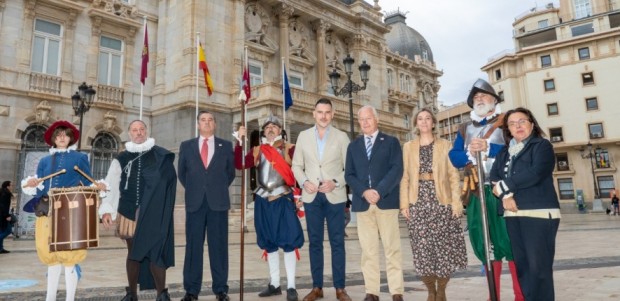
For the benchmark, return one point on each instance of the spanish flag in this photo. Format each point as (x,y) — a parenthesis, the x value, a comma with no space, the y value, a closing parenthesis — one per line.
(203,65)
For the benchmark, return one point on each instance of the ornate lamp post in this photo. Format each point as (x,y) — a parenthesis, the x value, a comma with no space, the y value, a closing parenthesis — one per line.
(350,87)
(591,155)
(81,101)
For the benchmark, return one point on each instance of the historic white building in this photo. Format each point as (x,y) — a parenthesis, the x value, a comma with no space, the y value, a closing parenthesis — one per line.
(565,69)
(49,47)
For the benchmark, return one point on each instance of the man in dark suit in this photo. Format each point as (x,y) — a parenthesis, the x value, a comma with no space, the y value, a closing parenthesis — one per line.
(373,171)
(206,170)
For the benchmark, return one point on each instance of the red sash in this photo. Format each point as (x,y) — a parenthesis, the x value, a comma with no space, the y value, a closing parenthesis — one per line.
(279,163)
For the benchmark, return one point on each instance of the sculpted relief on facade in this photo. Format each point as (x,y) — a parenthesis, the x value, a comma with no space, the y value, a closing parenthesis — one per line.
(299,37)
(257,25)
(335,51)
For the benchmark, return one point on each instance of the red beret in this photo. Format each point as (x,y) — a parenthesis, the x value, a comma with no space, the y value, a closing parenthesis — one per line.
(48,134)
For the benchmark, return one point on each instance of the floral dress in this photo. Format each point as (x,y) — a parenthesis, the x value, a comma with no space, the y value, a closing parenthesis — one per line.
(437,241)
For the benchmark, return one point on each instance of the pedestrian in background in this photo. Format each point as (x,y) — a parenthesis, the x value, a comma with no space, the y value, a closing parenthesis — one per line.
(6,224)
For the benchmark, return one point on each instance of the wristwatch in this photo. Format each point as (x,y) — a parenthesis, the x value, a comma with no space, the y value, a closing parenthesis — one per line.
(336,182)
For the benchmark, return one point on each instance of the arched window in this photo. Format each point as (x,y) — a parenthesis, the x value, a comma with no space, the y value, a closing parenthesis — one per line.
(105,148)
(32,138)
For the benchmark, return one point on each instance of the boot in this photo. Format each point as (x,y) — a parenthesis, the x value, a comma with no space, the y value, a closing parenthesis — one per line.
(516,286)
(130,296)
(442,283)
(429,281)
(163,296)
(497,274)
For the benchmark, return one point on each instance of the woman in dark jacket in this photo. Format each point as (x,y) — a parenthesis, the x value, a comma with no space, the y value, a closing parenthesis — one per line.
(5,217)
(522,175)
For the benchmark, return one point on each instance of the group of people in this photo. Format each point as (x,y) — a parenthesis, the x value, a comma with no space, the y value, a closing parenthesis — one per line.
(420,181)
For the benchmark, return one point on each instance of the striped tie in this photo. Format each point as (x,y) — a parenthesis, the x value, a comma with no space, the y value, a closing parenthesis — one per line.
(368,146)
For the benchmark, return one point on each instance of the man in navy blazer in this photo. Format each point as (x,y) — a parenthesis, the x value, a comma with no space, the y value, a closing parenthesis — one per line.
(206,170)
(373,171)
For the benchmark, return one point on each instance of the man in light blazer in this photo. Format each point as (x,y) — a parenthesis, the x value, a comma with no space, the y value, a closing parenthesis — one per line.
(206,170)
(318,165)
(373,171)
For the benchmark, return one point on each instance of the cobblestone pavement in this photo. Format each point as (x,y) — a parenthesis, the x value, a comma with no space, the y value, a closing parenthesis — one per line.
(587,267)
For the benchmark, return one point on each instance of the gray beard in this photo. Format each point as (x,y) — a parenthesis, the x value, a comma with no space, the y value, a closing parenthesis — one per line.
(484,109)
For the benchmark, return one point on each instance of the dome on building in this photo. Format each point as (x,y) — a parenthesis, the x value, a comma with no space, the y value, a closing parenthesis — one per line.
(404,39)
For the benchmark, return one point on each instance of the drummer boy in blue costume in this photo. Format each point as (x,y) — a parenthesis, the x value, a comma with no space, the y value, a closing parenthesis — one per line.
(61,136)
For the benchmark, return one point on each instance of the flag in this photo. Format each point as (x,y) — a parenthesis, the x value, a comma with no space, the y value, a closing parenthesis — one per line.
(288,99)
(246,84)
(145,56)
(205,69)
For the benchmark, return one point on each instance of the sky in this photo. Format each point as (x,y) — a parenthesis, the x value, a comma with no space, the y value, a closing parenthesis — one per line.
(463,35)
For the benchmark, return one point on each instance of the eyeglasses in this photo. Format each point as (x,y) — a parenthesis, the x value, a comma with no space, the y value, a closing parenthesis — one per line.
(520,122)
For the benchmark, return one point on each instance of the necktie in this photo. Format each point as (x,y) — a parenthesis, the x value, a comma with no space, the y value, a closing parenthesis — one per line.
(368,146)
(204,153)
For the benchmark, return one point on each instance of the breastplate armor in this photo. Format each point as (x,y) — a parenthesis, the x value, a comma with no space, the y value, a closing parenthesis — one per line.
(475,130)
(270,182)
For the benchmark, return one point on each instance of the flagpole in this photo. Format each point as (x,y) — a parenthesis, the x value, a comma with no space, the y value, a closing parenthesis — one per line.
(197,76)
(142,84)
(283,97)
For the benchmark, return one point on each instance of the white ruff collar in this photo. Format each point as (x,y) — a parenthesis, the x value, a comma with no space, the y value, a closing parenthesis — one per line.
(138,148)
(264,140)
(476,118)
(54,150)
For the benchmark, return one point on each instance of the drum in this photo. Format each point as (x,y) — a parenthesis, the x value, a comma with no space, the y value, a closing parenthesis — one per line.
(74,219)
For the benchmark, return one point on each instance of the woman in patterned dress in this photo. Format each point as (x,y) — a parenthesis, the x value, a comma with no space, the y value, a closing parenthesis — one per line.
(429,199)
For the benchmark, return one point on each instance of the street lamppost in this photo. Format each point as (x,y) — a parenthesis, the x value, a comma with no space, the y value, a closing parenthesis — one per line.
(591,155)
(81,101)
(350,87)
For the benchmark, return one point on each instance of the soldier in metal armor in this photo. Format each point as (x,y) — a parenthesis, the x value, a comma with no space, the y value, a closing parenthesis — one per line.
(141,201)
(276,222)
(483,134)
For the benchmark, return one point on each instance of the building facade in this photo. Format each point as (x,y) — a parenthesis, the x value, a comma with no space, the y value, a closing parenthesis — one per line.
(565,68)
(50,47)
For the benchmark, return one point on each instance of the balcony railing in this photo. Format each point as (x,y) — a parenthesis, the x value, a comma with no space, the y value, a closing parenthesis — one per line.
(109,94)
(45,83)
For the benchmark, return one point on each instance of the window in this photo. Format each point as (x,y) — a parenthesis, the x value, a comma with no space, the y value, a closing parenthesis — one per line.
(408,84)
(456,119)
(256,73)
(501,95)
(390,78)
(105,149)
(498,74)
(591,104)
(582,8)
(552,109)
(555,135)
(32,138)
(565,186)
(296,79)
(545,61)
(596,130)
(402,82)
(543,23)
(549,85)
(601,155)
(561,160)
(605,185)
(46,47)
(582,29)
(584,53)
(110,61)
(587,78)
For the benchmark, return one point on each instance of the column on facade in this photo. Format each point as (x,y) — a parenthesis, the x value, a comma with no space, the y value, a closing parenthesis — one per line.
(284,12)
(321,26)
(160,62)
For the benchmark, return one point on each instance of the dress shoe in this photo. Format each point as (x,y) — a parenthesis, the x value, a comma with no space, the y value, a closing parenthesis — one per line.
(163,296)
(291,295)
(189,297)
(222,297)
(270,291)
(371,297)
(130,296)
(397,297)
(342,295)
(4,251)
(315,293)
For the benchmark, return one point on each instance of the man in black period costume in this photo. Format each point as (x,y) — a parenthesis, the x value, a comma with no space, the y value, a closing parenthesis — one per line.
(141,201)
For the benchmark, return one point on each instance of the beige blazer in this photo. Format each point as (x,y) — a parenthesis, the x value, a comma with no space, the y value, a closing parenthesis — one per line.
(446,176)
(307,166)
